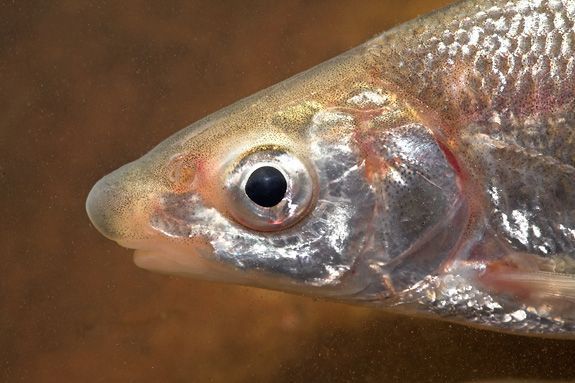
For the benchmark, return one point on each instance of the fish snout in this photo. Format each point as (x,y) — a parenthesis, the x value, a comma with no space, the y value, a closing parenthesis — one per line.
(134,209)
(119,205)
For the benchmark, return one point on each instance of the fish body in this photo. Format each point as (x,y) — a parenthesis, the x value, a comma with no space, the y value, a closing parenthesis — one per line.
(430,170)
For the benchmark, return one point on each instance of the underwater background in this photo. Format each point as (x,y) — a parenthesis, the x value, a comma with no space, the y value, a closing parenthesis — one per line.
(87,86)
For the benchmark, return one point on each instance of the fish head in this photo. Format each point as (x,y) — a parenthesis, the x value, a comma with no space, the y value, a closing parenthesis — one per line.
(283,190)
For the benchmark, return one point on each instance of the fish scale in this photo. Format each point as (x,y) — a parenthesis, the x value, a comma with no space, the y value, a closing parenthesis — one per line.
(499,60)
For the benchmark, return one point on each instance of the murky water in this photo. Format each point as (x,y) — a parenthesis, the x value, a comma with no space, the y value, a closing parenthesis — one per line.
(88,86)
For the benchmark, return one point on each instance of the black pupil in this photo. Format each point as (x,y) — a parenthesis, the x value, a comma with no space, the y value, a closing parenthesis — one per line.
(266,186)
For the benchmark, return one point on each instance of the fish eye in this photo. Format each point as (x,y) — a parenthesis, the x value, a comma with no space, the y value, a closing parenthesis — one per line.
(266,186)
(269,190)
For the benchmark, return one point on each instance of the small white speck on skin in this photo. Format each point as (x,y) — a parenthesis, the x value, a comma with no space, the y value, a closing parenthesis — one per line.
(530,24)
(515,26)
(536,231)
(331,117)
(454,48)
(429,60)
(396,176)
(334,274)
(491,305)
(495,118)
(368,98)
(494,194)
(441,49)
(570,8)
(340,228)
(501,24)
(565,229)
(520,227)
(475,34)
(555,4)
(519,315)
(559,22)
(505,46)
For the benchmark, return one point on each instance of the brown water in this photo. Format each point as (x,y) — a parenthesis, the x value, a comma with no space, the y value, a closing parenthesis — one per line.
(88,86)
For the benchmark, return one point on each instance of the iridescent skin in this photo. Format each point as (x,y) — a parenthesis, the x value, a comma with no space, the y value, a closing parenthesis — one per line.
(431,170)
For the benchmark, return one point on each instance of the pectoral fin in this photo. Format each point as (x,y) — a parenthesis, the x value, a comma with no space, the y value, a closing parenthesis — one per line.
(546,285)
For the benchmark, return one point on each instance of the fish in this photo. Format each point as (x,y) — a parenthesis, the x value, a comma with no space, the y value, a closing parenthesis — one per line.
(429,171)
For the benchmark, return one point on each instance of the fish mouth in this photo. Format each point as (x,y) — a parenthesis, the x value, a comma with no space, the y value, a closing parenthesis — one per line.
(122,205)
(121,211)
(172,262)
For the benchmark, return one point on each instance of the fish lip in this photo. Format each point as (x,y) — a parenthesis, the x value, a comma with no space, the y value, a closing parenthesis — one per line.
(195,261)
